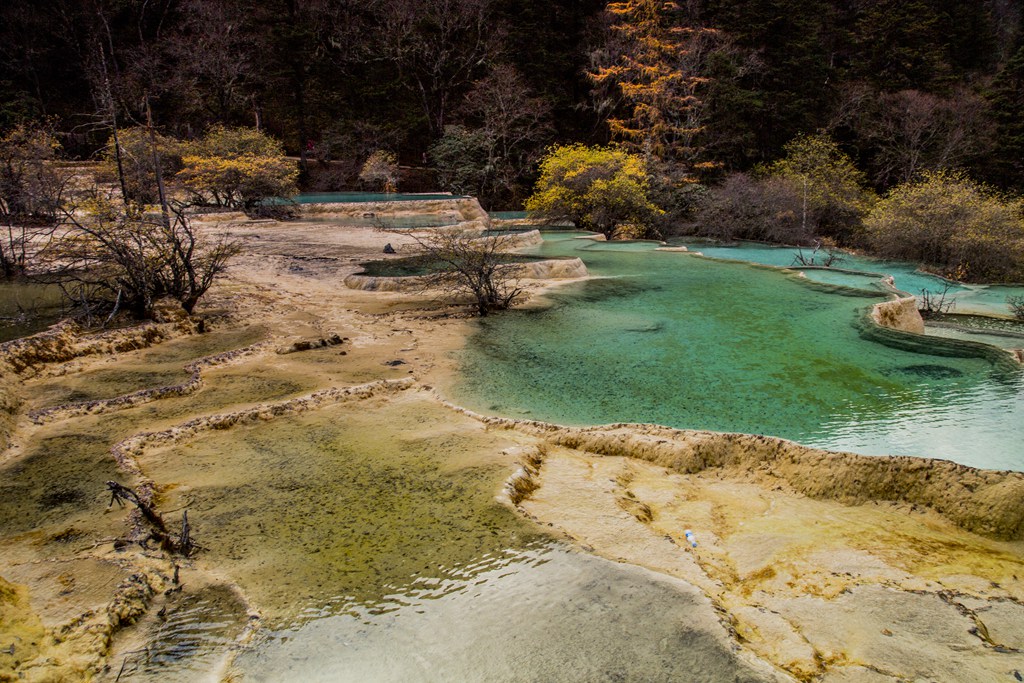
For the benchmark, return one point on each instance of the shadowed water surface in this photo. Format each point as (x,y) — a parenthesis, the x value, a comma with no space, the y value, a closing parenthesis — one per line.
(27,308)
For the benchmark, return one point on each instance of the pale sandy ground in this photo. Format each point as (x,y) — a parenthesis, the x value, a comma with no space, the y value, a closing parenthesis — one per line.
(821,590)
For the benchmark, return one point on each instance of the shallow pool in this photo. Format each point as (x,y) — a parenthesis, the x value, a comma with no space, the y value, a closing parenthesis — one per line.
(371,543)
(27,308)
(986,299)
(363,197)
(668,338)
(541,614)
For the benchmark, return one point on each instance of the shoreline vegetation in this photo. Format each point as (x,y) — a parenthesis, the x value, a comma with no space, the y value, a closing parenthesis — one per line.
(807,556)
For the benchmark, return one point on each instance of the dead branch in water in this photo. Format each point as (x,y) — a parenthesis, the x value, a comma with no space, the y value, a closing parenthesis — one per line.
(932,304)
(184,545)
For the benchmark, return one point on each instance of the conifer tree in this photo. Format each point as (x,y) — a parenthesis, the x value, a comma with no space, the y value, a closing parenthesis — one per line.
(1007,101)
(658,66)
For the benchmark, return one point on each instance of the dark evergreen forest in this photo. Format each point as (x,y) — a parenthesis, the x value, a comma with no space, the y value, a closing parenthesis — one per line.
(939,80)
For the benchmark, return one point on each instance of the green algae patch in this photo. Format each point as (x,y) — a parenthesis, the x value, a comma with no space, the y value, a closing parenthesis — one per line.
(342,507)
(197,346)
(158,366)
(59,478)
(57,483)
(106,383)
(10,403)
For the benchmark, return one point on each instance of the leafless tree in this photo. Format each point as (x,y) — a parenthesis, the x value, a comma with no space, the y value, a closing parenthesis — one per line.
(513,124)
(32,187)
(122,260)
(934,304)
(913,131)
(1006,20)
(824,254)
(769,209)
(440,46)
(469,265)
(215,59)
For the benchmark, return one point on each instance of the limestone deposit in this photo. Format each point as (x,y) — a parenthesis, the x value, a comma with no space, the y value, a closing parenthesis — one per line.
(826,591)
(820,566)
(899,314)
(983,501)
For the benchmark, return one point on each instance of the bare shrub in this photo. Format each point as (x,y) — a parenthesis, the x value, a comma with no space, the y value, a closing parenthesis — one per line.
(469,265)
(743,207)
(824,254)
(109,259)
(32,188)
(1016,304)
(932,305)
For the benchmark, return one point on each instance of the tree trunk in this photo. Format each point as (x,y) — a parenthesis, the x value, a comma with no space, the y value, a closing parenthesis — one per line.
(165,211)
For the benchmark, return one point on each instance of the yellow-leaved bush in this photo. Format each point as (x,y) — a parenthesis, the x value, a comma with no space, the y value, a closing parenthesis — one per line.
(831,188)
(953,224)
(237,168)
(133,149)
(603,189)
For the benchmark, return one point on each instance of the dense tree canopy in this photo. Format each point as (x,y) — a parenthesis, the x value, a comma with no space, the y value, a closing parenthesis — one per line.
(337,79)
(783,120)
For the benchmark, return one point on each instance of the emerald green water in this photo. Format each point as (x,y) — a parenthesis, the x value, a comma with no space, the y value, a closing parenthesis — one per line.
(364,197)
(985,299)
(668,338)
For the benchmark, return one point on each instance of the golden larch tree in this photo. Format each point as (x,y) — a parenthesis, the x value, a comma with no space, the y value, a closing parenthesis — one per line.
(658,66)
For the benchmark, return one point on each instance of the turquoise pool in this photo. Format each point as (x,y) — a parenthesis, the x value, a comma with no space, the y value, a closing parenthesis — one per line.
(508,215)
(362,197)
(669,338)
(986,299)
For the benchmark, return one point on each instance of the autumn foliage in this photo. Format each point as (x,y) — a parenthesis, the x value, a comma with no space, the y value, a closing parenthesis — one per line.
(30,184)
(134,146)
(237,168)
(603,189)
(953,224)
(658,68)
